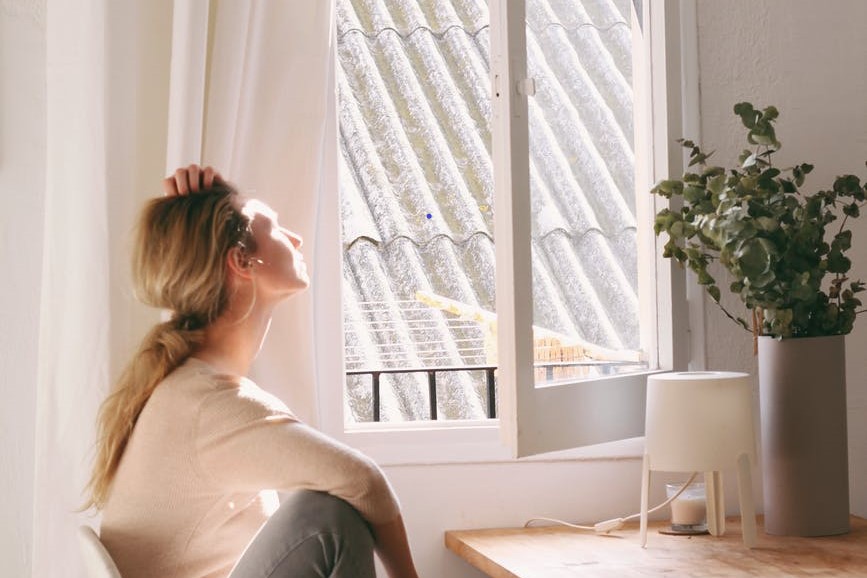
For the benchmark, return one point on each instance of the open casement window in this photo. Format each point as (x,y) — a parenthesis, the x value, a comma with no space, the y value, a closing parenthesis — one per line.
(624,288)
(534,119)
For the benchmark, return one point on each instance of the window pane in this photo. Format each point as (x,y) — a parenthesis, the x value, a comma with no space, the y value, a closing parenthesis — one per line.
(417,206)
(417,199)
(583,201)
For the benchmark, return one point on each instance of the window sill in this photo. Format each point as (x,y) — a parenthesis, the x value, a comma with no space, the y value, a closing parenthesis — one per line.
(437,443)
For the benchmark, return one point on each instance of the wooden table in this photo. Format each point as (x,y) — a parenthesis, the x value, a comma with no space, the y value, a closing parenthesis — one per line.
(560,552)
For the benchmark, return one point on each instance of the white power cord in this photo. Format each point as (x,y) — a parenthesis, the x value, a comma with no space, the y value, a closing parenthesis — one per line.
(614,523)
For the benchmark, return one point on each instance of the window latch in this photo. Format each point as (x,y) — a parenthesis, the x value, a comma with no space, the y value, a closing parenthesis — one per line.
(526,87)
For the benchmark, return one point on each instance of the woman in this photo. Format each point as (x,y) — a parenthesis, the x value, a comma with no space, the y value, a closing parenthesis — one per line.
(190,452)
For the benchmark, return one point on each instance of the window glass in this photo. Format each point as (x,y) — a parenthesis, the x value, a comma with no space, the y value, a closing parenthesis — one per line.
(586,312)
(417,207)
(416,185)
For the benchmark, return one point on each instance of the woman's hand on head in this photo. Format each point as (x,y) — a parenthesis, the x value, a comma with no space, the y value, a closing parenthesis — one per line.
(191,179)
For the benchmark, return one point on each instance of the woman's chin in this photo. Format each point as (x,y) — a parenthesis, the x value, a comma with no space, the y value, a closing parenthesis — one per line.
(300,284)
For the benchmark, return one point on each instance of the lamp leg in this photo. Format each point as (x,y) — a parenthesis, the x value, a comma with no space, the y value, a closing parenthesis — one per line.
(745,497)
(645,489)
(716,513)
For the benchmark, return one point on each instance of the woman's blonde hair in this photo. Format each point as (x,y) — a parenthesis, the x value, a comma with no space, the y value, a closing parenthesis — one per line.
(179,264)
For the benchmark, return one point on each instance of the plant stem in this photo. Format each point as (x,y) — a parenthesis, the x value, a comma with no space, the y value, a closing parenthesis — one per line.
(738,321)
(843,223)
(846,218)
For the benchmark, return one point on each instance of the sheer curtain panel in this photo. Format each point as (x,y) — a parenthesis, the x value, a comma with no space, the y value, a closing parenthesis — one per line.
(74,327)
(246,88)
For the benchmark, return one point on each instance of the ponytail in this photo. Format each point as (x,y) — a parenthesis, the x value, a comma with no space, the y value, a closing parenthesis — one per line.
(164,349)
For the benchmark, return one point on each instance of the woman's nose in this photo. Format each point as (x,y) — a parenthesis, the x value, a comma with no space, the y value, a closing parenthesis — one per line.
(296,239)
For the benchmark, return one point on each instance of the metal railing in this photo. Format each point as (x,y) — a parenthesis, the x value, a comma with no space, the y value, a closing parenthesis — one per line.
(490,379)
(604,367)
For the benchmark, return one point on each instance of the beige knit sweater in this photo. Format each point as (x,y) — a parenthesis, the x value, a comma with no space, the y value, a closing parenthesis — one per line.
(200,473)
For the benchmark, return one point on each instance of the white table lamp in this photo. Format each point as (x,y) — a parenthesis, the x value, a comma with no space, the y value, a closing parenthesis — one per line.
(702,421)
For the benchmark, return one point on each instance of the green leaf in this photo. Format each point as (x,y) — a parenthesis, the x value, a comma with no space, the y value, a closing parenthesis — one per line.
(770,174)
(802,292)
(847,184)
(766,136)
(747,113)
(842,241)
(755,258)
(667,188)
(714,292)
(694,193)
(788,186)
(698,157)
(837,262)
(768,224)
(704,278)
(716,183)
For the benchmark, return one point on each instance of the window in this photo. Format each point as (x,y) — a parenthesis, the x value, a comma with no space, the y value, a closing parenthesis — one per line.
(417,202)
(421,184)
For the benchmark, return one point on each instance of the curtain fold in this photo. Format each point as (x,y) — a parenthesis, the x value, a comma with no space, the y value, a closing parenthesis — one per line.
(73,353)
(187,83)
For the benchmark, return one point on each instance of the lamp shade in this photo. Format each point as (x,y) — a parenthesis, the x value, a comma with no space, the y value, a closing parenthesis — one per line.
(699,420)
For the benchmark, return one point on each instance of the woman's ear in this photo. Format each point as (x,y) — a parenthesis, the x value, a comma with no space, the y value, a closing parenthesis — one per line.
(239,263)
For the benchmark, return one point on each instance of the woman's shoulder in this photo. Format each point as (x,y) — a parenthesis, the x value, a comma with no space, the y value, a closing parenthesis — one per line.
(195,378)
(230,395)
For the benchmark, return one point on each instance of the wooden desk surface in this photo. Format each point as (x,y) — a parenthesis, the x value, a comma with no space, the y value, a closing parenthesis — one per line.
(560,552)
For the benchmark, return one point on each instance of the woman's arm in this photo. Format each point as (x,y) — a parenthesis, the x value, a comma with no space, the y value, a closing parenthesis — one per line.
(393,548)
(247,441)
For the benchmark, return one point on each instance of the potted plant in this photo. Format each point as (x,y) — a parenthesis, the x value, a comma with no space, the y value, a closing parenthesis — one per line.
(785,253)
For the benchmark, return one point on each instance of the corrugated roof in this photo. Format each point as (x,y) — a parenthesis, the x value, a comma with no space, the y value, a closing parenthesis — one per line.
(417,188)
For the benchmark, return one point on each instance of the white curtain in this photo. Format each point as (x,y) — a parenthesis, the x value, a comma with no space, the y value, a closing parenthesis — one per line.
(263,76)
(248,90)
(74,320)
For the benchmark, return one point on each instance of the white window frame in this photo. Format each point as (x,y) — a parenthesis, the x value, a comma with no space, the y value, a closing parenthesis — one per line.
(672,33)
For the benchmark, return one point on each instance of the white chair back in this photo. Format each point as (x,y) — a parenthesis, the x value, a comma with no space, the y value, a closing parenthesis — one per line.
(96,558)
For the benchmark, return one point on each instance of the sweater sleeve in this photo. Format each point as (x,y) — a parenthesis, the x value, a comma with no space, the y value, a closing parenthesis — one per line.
(247,440)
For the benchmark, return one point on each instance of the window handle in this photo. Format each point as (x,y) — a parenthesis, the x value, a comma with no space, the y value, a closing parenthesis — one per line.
(526,87)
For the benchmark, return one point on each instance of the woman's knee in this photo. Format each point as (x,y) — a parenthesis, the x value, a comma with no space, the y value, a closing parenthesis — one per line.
(311,534)
(318,511)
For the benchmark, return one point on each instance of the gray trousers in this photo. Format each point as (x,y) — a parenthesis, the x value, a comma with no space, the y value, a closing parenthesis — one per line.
(311,535)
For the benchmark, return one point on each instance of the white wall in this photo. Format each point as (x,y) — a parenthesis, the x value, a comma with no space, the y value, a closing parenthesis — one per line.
(22,162)
(805,57)
(809,59)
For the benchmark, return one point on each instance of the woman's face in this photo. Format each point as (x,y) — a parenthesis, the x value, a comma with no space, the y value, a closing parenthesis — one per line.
(278,265)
